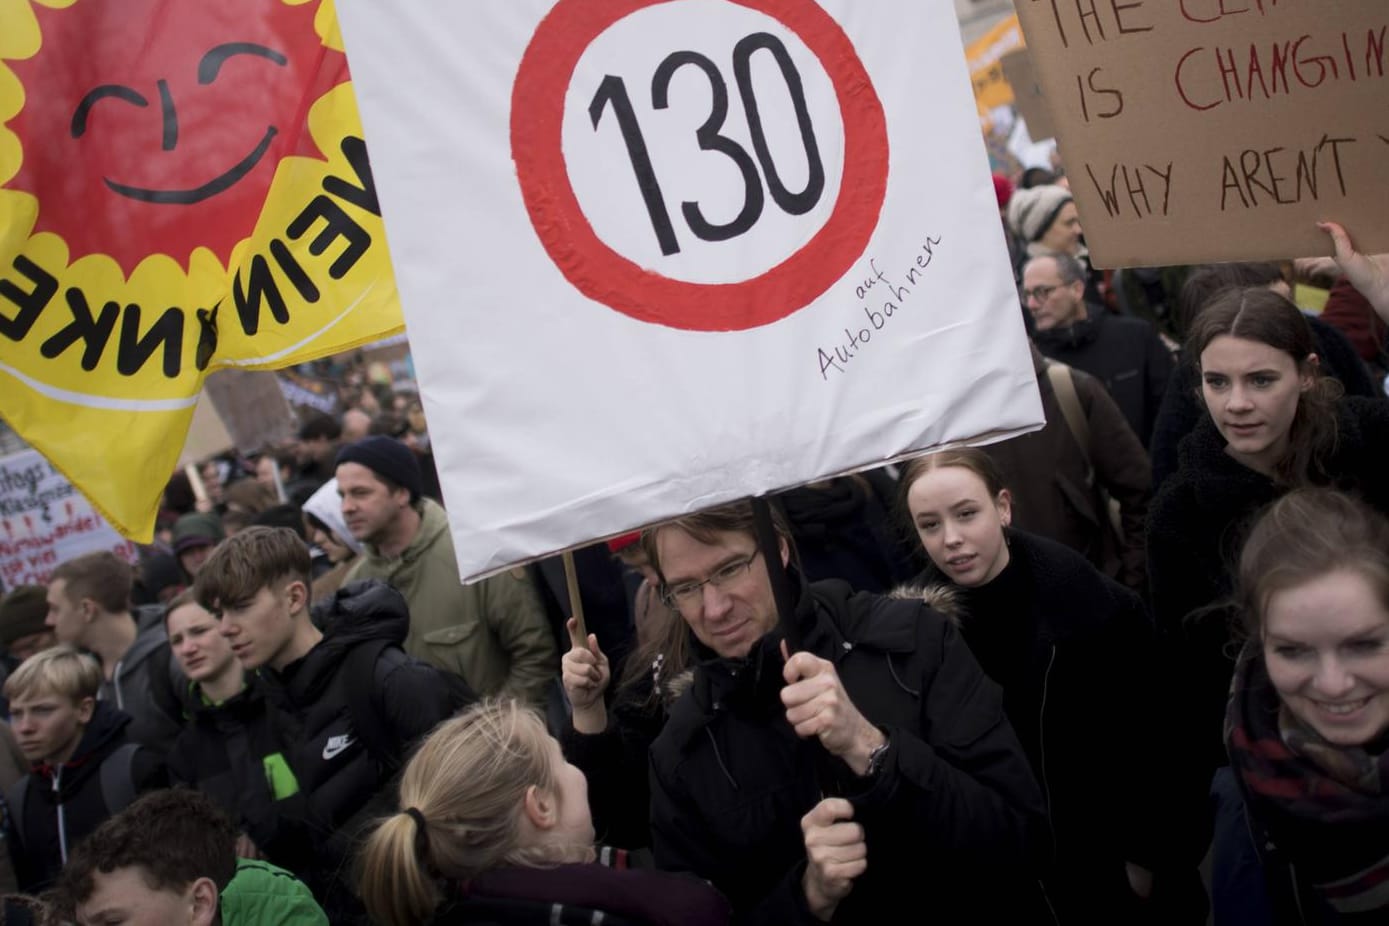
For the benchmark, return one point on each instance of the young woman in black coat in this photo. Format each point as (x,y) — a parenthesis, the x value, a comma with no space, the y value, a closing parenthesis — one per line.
(1072,651)
(1308,720)
(494,827)
(1273,423)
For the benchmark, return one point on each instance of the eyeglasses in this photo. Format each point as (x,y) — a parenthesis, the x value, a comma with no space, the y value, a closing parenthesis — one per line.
(1040,293)
(688,593)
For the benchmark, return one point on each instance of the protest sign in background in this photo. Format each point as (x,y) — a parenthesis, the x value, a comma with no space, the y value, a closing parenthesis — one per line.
(44,521)
(183,186)
(1208,130)
(985,55)
(658,256)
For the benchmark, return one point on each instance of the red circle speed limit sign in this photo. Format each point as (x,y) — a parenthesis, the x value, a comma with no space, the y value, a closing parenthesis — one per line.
(708,166)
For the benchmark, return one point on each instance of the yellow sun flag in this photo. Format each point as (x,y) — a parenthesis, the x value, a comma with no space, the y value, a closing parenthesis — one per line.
(183,186)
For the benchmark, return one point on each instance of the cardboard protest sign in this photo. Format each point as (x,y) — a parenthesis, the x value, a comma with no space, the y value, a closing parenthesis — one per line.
(669,254)
(183,187)
(207,435)
(1205,130)
(253,408)
(1029,99)
(45,521)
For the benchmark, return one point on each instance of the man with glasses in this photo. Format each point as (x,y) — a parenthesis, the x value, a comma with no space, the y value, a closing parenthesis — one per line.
(858,773)
(1124,353)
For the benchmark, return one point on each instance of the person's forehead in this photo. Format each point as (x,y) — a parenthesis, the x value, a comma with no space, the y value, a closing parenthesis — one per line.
(39,698)
(1042,270)
(683,555)
(122,889)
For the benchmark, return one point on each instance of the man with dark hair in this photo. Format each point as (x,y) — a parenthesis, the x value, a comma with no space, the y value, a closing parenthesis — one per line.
(493,633)
(24,626)
(822,767)
(89,607)
(1126,354)
(319,436)
(356,699)
(170,859)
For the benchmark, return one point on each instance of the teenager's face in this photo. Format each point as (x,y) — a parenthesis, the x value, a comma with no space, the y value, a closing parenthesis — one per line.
(960,524)
(332,547)
(575,825)
(1251,391)
(124,897)
(1326,646)
(48,725)
(68,618)
(261,630)
(196,640)
(368,506)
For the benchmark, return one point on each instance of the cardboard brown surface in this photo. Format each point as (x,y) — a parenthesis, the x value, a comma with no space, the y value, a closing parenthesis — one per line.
(1211,130)
(1028,97)
(253,408)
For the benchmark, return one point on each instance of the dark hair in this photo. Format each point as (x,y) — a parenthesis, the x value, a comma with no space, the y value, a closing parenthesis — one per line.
(102,576)
(733,518)
(1260,314)
(1037,176)
(1304,535)
(318,426)
(1205,282)
(287,515)
(389,424)
(178,494)
(174,836)
(244,564)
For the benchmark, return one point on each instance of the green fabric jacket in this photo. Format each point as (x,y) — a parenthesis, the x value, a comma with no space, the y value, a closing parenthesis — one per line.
(263,895)
(494,633)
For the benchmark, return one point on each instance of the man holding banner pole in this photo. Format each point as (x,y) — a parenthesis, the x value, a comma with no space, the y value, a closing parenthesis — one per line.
(933,782)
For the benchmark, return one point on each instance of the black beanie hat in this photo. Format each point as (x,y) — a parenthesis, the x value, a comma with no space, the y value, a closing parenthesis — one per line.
(389,459)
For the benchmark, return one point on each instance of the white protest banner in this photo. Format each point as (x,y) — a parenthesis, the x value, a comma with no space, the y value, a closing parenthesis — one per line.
(45,521)
(655,256)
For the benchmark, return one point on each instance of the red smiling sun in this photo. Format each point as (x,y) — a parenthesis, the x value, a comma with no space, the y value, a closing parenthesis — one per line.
(151,127)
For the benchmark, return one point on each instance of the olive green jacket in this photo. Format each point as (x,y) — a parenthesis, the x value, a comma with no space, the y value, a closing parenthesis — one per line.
(494,633)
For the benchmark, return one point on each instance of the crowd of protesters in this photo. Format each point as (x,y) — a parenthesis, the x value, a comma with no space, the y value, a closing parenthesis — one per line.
(1037,682)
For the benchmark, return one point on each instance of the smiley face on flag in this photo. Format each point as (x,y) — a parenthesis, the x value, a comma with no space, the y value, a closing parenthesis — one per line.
(183,186)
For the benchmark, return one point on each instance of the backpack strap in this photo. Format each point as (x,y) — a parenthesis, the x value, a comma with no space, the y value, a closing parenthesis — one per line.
(1064,385)
(118,778)
(358,674)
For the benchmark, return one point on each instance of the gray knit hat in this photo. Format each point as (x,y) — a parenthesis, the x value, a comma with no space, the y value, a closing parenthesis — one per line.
(1032,212)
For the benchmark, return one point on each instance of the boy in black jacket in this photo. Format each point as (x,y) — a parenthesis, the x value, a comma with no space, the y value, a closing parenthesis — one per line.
(354,701)
(84,768)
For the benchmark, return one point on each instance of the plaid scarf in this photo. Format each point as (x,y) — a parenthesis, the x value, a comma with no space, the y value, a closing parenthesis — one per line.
(1290,773)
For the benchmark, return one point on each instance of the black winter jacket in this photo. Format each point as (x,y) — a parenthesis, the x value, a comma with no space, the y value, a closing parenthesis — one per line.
(1196,528)
(954,805)
(1125,354)
(1181,407)
(234,752)
(338,777)
(1074,652)
(63,805)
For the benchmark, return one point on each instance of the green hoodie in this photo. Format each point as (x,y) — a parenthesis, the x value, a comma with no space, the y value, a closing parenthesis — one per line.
(493,633)
(263,895)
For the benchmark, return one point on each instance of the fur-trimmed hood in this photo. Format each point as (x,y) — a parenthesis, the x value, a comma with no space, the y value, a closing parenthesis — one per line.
(939,596)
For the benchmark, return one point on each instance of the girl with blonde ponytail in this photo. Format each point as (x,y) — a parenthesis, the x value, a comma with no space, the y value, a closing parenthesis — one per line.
(494,826)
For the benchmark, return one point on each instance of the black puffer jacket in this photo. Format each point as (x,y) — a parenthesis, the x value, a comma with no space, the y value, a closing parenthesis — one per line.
(955,805)
(339,778)
(234,752)
(1074,653)
(63,805)
(1125,354)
